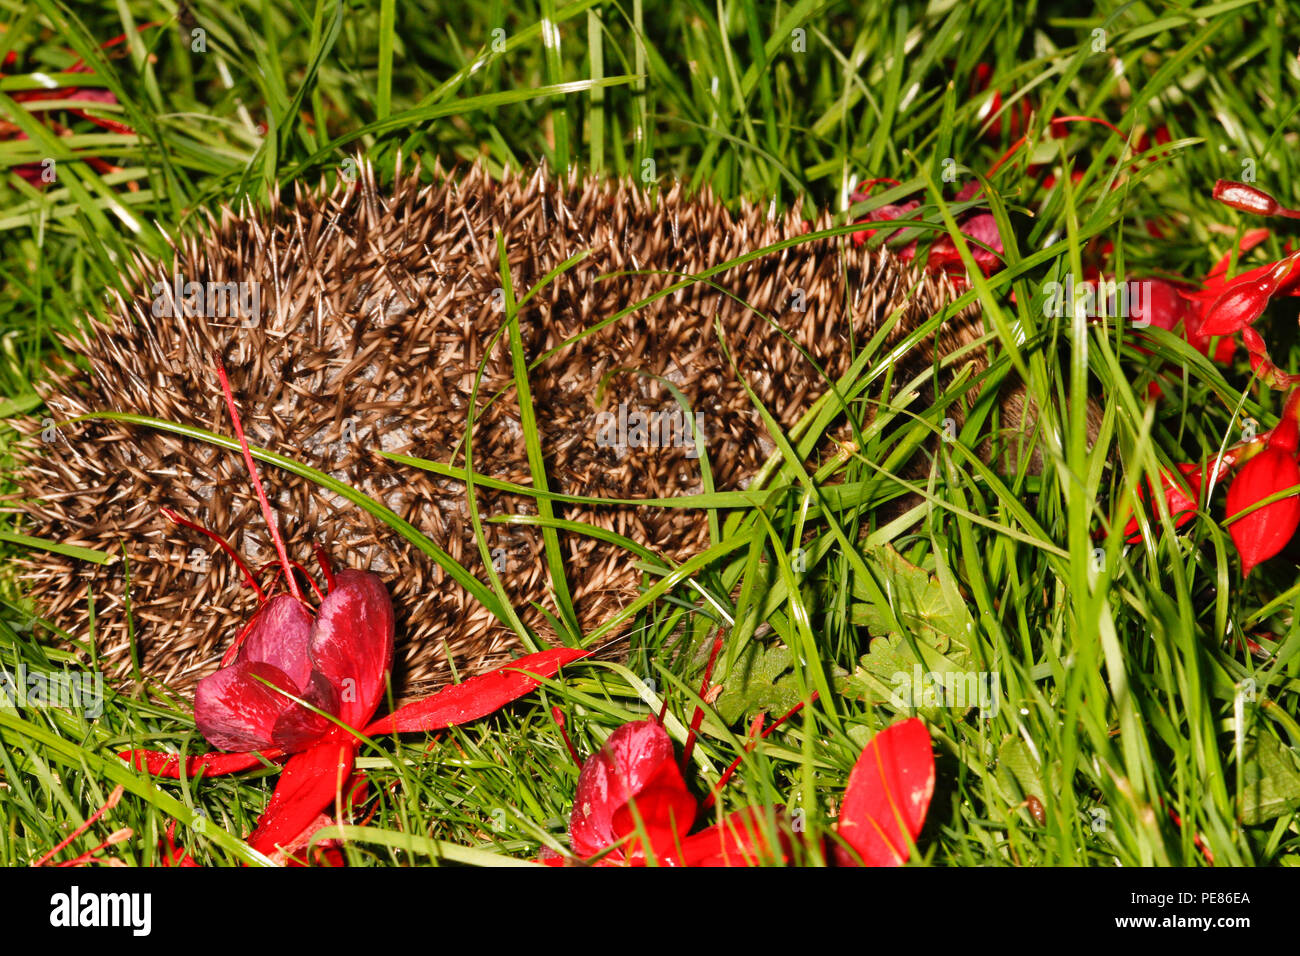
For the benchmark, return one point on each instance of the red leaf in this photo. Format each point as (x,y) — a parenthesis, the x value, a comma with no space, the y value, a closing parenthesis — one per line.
(887,796)
(166,765)
(1265,531)
(309,784)
(478,696)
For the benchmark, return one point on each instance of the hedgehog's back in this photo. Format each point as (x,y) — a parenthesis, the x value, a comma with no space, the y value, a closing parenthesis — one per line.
(375,315)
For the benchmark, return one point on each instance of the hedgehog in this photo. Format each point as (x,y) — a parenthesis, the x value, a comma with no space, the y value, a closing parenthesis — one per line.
(354,321)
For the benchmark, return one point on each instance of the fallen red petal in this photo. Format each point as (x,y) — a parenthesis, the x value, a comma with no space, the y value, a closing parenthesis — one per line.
(352,643)
(633,756)
(887,796)
(740,839)
(310,783)
(478,696)
(659,814)
(168,765)
(1265,531)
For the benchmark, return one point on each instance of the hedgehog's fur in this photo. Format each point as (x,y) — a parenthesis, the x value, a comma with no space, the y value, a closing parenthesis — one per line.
(376,308)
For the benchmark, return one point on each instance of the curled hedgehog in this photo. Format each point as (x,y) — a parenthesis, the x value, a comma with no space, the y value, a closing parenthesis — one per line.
(363,319)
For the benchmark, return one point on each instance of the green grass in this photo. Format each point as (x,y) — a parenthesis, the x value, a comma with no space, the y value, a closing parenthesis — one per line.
(1121,686)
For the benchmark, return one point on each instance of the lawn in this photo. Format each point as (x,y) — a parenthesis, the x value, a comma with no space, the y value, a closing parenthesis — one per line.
(1137,701)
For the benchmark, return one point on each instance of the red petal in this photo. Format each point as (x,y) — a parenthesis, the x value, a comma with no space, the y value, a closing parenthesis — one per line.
(1182,505)
(632,756)
(1265,531)
(324,852)
(983,227)
(172,855)
(1286,436)
(1249,241)
(882,214)
(1216,286)
(1164,307)
(478,696)
(1241,305)
(740,839)
(167,765)
(887,796)
(280,635)
(291,854)
(665,809)
(352,643)
(310,783)
(235,710)
(298,728)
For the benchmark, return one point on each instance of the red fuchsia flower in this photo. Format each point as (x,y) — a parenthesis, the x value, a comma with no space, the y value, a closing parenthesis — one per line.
(1200,300)
(1226,306)
(980,227)
(1263,532)
(1245,300)
(305,683)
